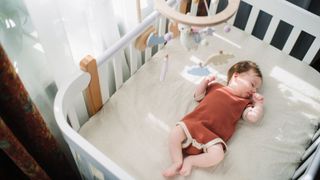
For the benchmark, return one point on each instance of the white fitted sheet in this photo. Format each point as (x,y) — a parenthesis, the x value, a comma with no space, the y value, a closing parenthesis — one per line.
(132,127)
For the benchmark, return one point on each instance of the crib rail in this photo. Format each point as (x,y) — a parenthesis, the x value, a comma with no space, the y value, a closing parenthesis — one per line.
(310,161)
(300,19)
(91,163)
(134,56)
(94,164)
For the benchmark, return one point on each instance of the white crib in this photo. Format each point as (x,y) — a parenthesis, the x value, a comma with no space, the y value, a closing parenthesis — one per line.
(94,164)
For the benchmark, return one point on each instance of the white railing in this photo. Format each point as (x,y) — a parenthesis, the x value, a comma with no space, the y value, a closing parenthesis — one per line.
(91,162)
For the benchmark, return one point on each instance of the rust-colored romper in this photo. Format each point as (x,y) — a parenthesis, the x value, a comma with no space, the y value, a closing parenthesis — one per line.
(214,120)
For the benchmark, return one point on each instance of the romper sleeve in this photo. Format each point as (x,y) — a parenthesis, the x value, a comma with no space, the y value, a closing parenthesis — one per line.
(210,87)
(199,97)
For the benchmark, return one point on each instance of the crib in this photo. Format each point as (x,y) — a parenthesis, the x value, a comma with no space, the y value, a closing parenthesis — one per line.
(84,94)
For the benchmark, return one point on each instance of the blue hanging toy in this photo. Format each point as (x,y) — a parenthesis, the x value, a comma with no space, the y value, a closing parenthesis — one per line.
(216,59)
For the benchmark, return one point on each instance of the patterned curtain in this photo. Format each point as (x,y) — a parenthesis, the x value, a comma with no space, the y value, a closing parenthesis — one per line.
(24,135)
(13,148)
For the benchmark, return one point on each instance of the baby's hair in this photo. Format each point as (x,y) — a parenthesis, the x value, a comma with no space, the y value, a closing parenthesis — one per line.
(244,66)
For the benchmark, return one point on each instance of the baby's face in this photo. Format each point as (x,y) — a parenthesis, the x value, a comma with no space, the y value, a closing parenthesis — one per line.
(247,83)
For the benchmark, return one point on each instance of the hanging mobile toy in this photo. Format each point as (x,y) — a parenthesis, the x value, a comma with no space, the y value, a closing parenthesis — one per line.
(199,21)
(155,40)
(216,59)
(190,37)
(227,28)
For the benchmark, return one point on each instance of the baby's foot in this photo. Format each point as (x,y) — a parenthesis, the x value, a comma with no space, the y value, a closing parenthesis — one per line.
(172,170)
(186,168)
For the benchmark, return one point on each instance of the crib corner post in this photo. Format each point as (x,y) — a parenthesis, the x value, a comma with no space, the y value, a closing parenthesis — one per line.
(93,93)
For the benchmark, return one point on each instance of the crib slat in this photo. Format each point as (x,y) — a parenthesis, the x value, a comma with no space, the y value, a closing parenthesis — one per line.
(313,167)
(74,121)
(84,152)
(162,29)
(117,72)
(316,135)
(82,165)
(108,176)
(147,54)
(311,149)
(213,7)
(85,168)
(290,14)
(252,19)
(139,57)
(271,30)
(157,25)
(194,8)
(302,167)
(291,40)
(74,154)
(133,59)
(314,48)
(104,78)
(76,159)
(120,57)
(232,19)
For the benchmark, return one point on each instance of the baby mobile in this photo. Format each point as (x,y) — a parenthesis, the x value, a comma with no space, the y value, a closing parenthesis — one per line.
(191,30)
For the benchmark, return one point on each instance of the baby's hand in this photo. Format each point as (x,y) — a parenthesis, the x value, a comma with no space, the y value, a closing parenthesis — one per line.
(210,78)
(257,98)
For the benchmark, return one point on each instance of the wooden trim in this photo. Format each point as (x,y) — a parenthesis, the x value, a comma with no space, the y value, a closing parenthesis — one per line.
(183,6)
(93,93)
(173,27)
(200,21)
(141,42)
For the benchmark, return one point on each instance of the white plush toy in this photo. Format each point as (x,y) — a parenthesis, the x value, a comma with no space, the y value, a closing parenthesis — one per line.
(191,38)
(186,37)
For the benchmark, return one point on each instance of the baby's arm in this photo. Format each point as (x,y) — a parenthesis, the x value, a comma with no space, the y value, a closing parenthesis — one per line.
(255,112)
(200,91)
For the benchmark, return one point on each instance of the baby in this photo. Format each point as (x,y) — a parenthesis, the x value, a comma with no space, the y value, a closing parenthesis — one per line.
(202,134)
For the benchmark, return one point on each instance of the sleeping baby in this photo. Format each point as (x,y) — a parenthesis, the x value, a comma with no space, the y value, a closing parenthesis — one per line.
(202,134)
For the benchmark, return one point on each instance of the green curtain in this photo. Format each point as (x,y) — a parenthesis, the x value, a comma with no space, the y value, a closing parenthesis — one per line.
(24,120)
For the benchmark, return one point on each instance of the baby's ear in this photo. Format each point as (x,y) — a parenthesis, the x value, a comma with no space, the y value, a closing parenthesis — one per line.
(235,74)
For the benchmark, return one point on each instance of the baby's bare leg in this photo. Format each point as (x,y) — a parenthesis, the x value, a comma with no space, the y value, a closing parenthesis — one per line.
(176,137)
(214,155)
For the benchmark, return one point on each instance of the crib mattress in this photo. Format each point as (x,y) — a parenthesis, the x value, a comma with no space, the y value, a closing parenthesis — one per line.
(132,127)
